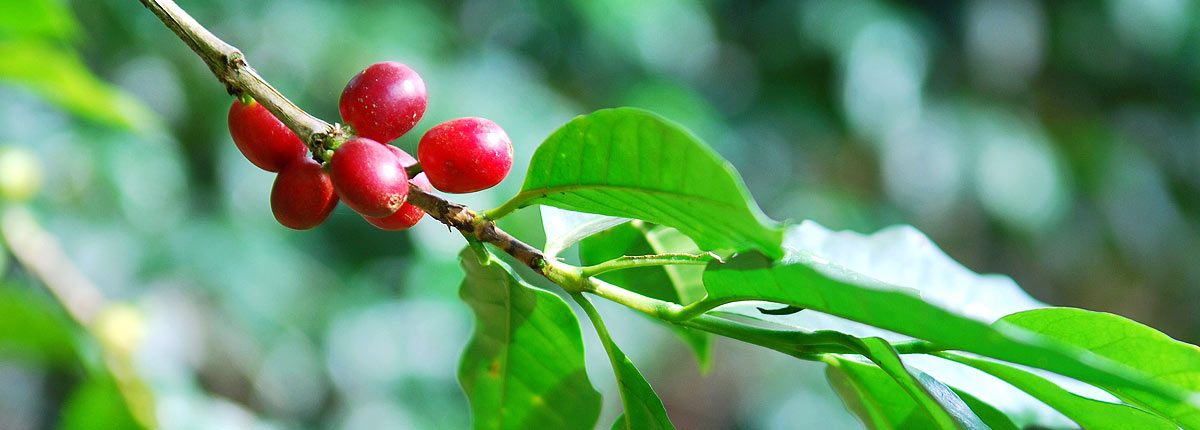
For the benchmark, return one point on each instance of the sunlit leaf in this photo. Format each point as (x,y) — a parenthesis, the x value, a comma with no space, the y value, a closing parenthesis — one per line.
(1127,342)
(905,257)
(631,163)
(523,367)
(816,284)
(1088,413)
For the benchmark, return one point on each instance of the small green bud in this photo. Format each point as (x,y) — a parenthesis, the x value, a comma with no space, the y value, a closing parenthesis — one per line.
(20,174)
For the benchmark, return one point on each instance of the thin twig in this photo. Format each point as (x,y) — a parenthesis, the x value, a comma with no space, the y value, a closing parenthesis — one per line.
(229,66)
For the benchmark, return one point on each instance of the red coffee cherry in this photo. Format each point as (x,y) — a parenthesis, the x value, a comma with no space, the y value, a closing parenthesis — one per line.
(303,196)
(408,215)
(384,101)
(262,138)
(368,177)
(465,155)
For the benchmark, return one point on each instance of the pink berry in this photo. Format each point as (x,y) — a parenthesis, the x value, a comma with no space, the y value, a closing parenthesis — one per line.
(465,155)
(384,101)
(303,196)
(368,177)
(262,138)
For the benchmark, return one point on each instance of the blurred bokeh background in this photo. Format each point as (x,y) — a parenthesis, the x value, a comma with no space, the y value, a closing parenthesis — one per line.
(1055,142)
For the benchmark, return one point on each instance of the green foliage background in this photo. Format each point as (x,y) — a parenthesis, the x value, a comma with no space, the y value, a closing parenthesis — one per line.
(1052,142)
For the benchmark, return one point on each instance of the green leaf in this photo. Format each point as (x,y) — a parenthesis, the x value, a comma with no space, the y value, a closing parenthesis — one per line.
(1088,413)
(814,283)
(97,404)
(1125,341)
(31,325)
(991,416)
(655,282)
(63,79)
(886,399)
(643,408)
(938,401)
(45,19)
(631,163)
(903,256)
(523,367)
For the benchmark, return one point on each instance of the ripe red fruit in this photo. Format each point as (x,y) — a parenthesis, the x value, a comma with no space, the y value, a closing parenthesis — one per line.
(262,138)
(465,155)
(384,101)
(408,215)
(368,177)
(303,196)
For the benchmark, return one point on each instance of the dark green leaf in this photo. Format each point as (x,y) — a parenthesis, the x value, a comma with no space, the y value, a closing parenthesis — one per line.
(653,282)
(643,408)
(1088,413)
(524,365)
(63,79)
(786,310)
(631,163)
(816,284)
(1127,342)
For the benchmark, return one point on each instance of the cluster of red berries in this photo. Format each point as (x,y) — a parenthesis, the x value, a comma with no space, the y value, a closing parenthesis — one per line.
(380,104)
